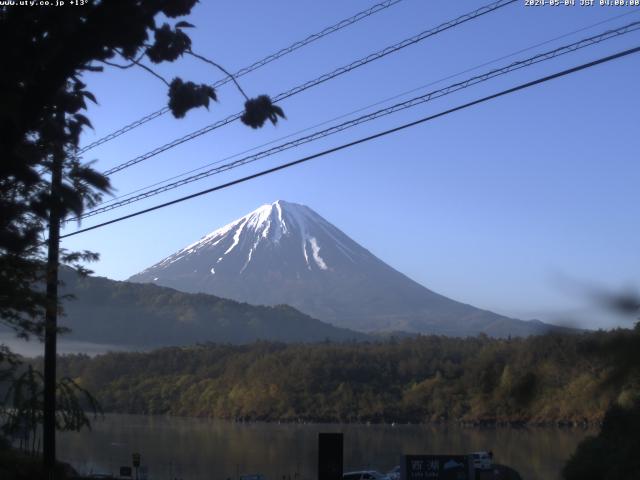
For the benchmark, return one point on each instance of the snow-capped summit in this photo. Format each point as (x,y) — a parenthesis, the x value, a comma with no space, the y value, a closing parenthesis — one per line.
(285,253)
(303,231)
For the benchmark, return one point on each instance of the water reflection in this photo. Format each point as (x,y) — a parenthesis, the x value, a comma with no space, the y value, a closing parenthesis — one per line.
(195,449)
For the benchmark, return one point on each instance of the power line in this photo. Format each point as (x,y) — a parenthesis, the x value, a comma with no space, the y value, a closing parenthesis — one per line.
(254,66)
(321,79)
(522,86)
(590,41)
(361,109)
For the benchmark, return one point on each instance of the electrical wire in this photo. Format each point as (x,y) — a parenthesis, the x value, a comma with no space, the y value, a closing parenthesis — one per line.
(254,66)
(319,80)
(517,88)
(587,42)
(361,109)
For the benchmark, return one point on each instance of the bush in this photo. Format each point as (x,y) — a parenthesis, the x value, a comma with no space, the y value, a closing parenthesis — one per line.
(613,454)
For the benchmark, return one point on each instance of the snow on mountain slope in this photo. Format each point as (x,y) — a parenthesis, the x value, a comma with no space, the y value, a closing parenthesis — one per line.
(267,226)
(285,253)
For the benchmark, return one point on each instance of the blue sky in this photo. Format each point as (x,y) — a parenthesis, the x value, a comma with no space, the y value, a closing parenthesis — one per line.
(496,205)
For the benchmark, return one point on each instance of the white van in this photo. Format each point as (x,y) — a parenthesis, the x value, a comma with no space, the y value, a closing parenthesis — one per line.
(482,460)
(365,475)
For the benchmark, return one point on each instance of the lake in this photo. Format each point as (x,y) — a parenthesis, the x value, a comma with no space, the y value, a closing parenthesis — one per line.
(198,449)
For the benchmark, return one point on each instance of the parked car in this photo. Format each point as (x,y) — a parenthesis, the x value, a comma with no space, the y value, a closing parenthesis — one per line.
(365,475)
(482,460)
(394,473)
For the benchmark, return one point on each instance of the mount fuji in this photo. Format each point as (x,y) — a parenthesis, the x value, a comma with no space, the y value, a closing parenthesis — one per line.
(285,253)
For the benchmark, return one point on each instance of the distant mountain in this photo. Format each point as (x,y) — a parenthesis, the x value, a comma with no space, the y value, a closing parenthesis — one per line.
(120,313)
(285,253)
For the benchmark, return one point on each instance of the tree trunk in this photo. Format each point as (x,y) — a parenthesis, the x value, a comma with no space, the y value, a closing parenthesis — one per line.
(51,318)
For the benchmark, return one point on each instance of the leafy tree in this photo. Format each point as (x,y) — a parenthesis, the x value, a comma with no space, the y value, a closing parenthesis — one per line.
(42,99)
(22,408)
(613,454)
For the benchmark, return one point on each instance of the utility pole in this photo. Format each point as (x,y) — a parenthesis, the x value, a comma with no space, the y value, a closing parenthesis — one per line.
(51,312)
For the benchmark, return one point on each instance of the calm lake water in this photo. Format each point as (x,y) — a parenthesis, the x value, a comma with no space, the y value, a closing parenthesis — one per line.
(197,449)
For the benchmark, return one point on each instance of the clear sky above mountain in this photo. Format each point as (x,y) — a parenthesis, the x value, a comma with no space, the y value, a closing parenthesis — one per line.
(495,206)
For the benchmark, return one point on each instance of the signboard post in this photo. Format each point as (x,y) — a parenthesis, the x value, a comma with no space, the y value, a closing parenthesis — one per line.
(135,460)
(125,472)
(144,472)
(437,467)
(330,456)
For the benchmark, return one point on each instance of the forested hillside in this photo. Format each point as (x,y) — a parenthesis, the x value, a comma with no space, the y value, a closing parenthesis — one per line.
(547,379)
(122,313)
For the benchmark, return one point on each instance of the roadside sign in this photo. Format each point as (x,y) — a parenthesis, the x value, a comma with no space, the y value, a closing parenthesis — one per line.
(125,471)
(437,467)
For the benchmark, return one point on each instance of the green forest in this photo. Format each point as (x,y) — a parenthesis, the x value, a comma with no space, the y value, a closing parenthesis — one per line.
(552,379)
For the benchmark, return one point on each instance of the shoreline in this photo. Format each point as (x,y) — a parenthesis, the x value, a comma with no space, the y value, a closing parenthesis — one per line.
(560,425)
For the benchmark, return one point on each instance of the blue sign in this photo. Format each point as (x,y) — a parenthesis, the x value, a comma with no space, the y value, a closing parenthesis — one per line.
(437,467)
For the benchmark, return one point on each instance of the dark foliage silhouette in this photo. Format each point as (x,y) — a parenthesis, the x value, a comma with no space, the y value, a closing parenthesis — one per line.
(259,110)
(42,179)
(613,454)
(43,96)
